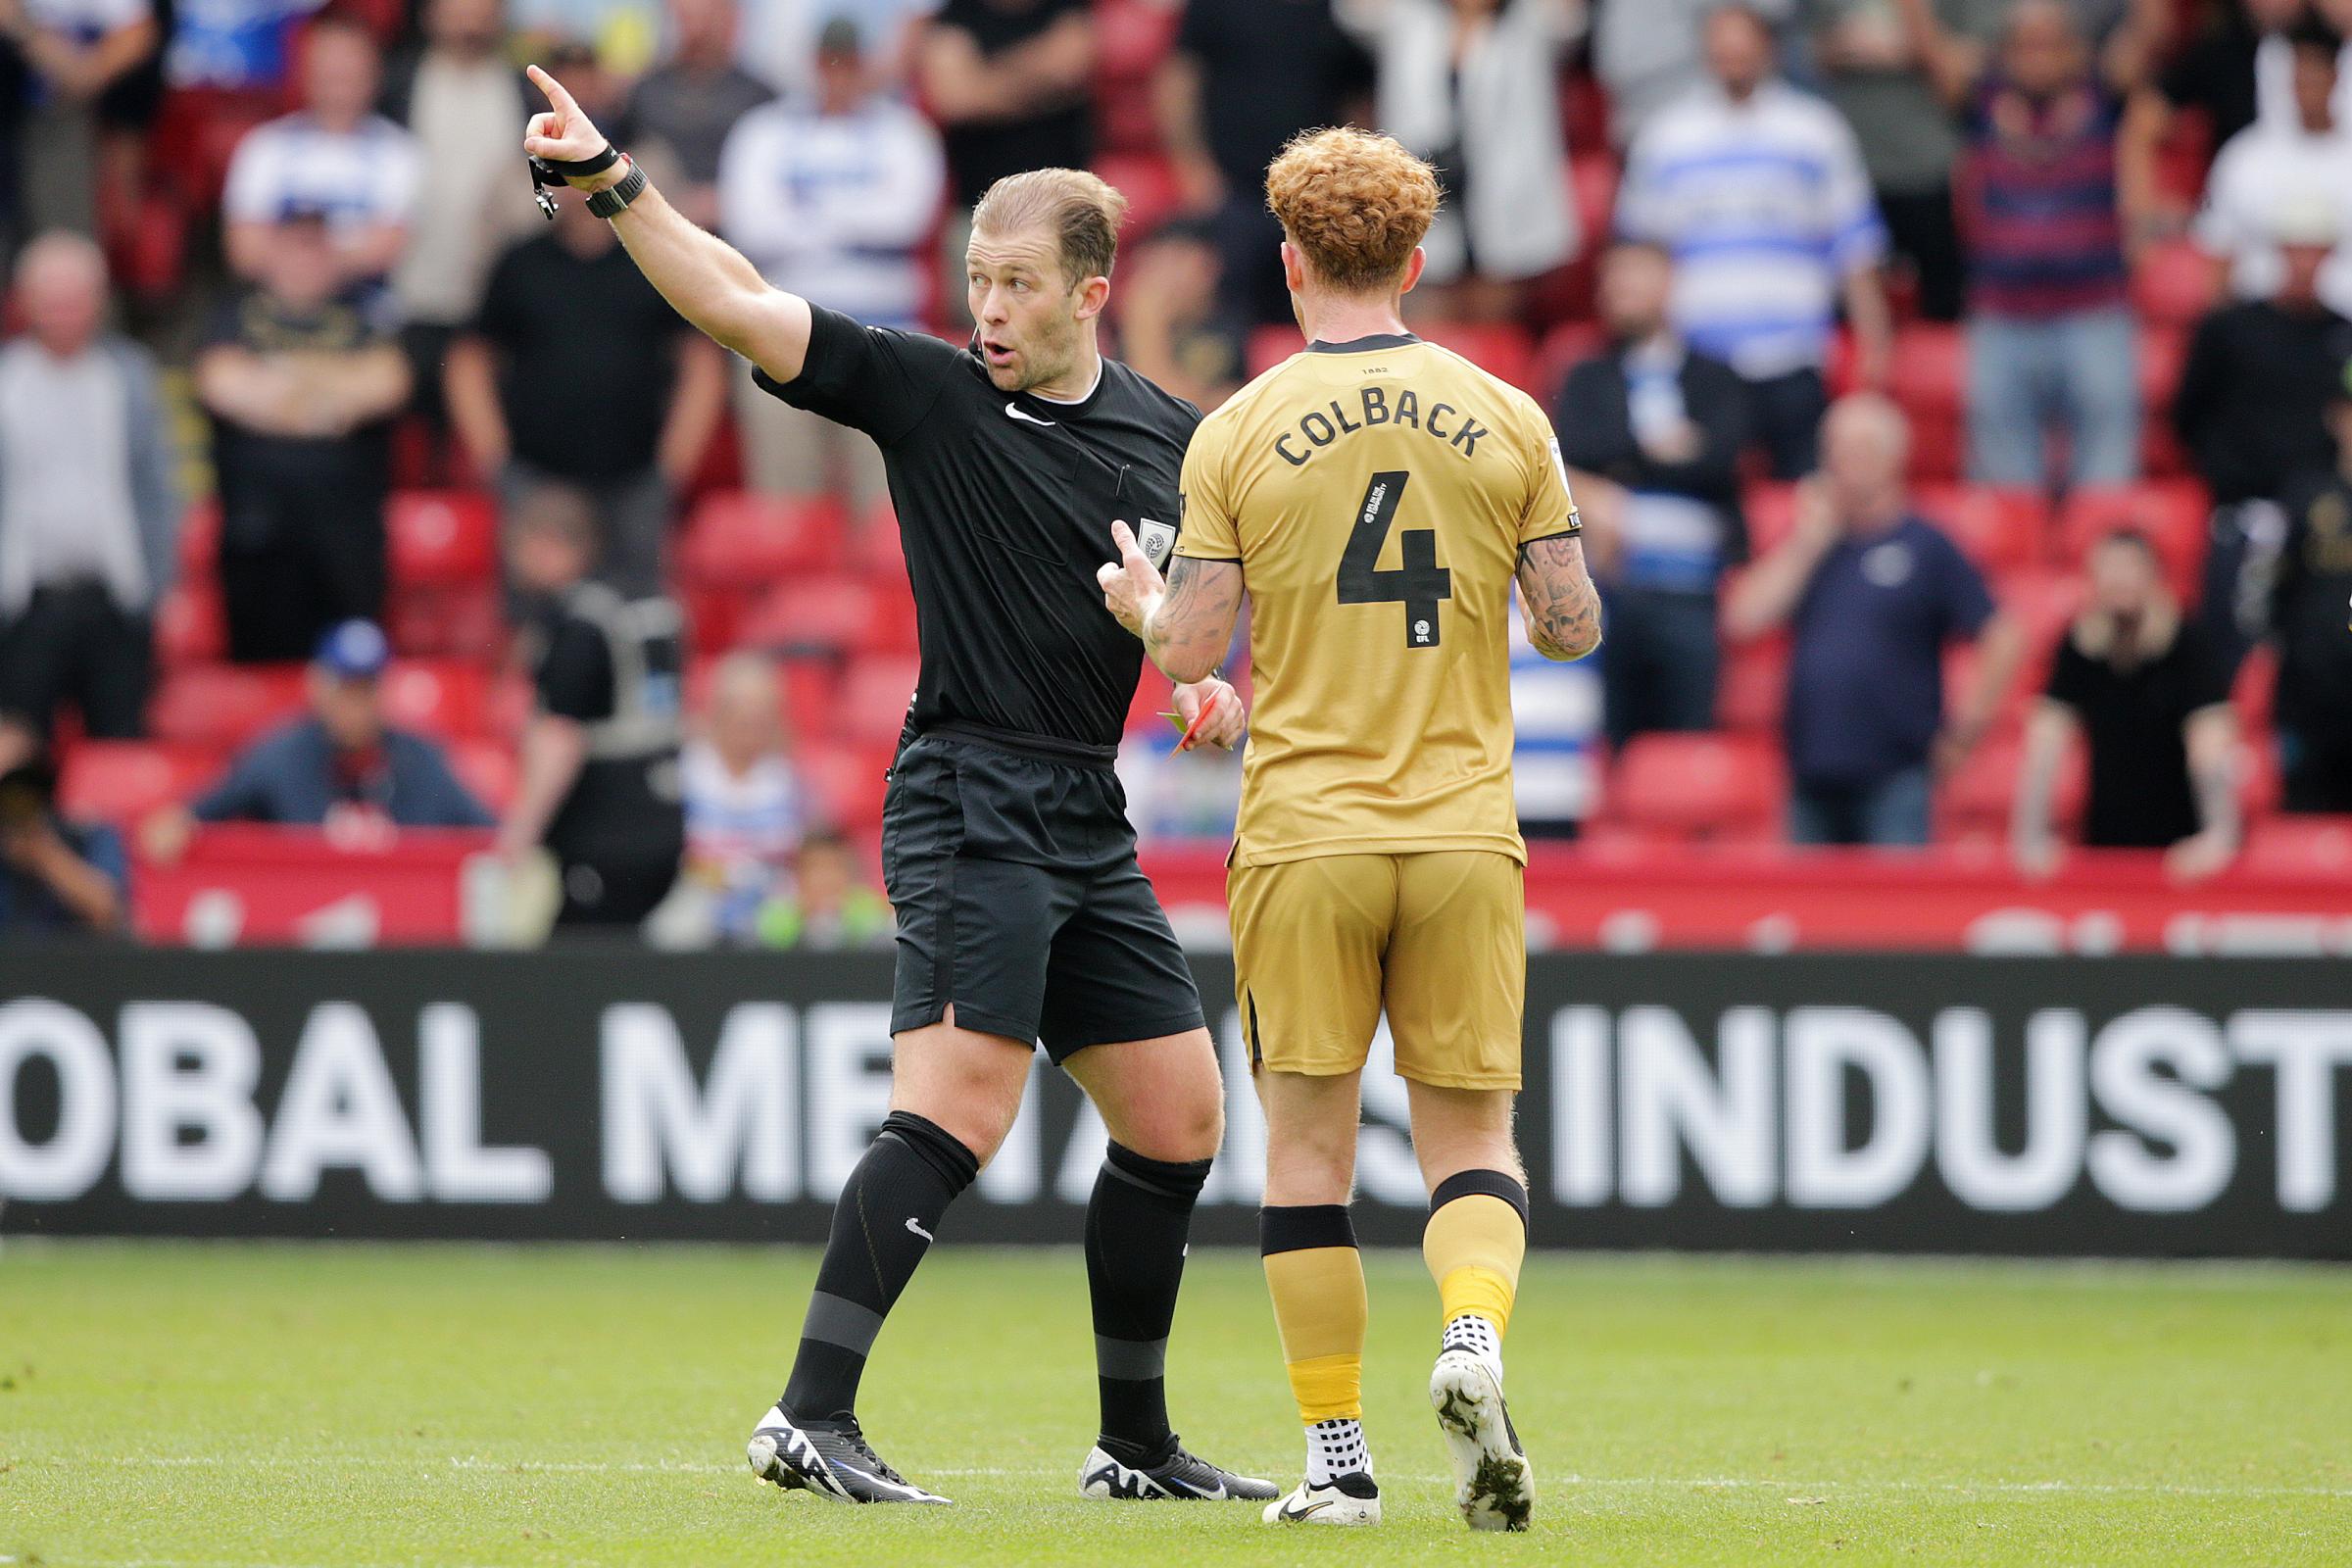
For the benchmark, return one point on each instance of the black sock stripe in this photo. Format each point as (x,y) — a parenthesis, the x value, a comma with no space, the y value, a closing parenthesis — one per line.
(1300,1228)
(1480,1183)
(1181,1181)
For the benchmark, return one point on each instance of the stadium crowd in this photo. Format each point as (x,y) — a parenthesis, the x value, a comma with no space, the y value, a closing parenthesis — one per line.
(1955,391)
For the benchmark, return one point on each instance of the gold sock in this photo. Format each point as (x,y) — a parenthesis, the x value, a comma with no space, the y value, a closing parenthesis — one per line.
(1474,1243)
(1316,1277)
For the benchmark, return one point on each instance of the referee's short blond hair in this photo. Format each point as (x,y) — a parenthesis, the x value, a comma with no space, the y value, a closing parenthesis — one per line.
(1355,203)
(1081,211)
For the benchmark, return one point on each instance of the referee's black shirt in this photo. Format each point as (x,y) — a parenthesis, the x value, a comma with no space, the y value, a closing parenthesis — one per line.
(1005,506)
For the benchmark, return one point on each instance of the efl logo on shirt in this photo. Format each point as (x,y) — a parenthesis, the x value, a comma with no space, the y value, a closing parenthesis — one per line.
(1157,541)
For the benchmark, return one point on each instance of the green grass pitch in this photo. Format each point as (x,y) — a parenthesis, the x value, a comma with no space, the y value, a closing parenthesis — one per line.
(179,1404)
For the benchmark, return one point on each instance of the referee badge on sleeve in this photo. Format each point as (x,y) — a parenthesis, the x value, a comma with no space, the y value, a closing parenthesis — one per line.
(1157,541)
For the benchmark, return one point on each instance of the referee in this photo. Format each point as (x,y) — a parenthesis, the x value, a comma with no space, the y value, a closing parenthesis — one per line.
(1023,914)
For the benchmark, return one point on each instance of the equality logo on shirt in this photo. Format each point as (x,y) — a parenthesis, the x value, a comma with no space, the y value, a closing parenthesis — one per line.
(1887,565)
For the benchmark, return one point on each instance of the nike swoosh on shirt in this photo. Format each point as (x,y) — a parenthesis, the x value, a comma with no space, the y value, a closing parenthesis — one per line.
(1018,413)
(917,1229)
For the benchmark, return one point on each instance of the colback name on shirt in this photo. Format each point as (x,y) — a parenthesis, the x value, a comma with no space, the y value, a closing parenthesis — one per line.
(1371,407)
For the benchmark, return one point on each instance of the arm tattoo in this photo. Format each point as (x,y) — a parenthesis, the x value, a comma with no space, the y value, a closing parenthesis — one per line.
(1562,606)
(1193,626)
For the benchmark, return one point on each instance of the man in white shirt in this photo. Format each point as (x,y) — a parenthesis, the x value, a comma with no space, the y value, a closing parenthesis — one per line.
(1758,192)
(831,200)
(335,156)
(2273,165)
(88,516)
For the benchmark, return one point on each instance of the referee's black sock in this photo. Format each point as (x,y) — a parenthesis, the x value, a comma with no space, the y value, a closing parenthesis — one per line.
(882,1226)
(1135,1231)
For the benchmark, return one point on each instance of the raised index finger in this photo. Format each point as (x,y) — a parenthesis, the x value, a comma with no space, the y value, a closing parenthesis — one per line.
(555,91)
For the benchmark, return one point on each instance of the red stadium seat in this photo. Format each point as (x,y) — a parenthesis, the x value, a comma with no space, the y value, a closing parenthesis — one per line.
(121,781)
(1154,695)
(2293,844)
(2045,602)
(2256,685)
(1687,787)
(849,782)
(190,628)
(1131,39)
(1929,373)
(1499,349)
(1563,349)
(1771,510)
(2162,354)
(1269,346)
(739,539)
(2173,513)
(1754,685)
(1999,529)
(1147,180)
(874,698)
(2174,283)
(811,696)
(737,545)
(438,697)
(2259,781)
(832,615)
(1975,801)
(467,621)
(441,538)
(223,706)
(488,769)
(200,541)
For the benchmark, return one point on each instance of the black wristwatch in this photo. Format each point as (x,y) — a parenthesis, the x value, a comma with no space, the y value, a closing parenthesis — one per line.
(613,200)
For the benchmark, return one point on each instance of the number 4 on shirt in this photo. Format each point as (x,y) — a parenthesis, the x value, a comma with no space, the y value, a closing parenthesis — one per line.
(1418,585)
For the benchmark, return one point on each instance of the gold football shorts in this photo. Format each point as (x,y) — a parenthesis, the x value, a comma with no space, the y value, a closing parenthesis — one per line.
(1321,945)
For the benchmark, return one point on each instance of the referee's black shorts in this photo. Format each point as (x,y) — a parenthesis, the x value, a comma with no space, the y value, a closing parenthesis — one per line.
(1012,866)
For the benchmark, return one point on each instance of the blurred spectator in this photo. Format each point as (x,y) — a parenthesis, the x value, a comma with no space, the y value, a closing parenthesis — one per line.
(830,908)
(2273,163)
(1651,433)
(340,767)
(300,374)
(1243,77)
(88,514)
(74,51)
(2151,702)
(778,39)
(1873,595)
(690,103)
(1010,83)
(2253,400)
(1179,326)
(335,156)
(576,369)
(2053,343)
(746,805)
(2213,76)
(1473,86)
(1556,714)
(1178,797)
(2313,587)
(1871,70)
(465,104)
(56,877)
(1646,53)
(599,785)
(1758,193)
(240,48)
(832,199)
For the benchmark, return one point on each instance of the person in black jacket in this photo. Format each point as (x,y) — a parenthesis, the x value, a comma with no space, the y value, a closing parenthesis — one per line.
(2252,411)
(1651,433)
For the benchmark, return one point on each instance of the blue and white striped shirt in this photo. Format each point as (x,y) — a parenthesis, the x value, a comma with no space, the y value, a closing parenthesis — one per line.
(1765,209)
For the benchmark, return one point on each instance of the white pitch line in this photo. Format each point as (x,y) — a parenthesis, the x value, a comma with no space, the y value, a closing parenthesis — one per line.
(1800,1485)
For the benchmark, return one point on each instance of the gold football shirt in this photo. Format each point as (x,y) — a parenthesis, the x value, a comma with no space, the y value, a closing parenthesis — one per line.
(1377,495)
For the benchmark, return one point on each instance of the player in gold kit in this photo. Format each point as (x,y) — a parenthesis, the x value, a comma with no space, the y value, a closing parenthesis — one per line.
(1375,496)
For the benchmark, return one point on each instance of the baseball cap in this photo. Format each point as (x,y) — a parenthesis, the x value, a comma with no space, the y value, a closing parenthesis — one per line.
(355,650)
